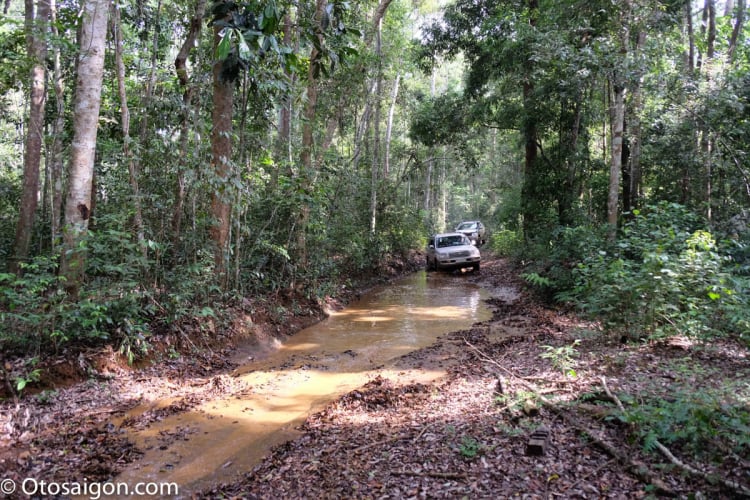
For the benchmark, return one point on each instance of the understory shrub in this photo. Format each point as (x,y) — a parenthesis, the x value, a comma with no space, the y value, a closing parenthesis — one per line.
(505,242)
(38,315)
(696,420)
(665,275)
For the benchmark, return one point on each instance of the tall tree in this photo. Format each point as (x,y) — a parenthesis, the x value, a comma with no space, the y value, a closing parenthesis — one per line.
(78,203)
(739,23)
(180,64)
(221,155)
(36,41)
(308,126)
(125,123)
(55,159)
(530,133)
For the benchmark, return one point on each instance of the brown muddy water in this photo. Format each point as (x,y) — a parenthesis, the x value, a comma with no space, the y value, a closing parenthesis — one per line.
(222,438)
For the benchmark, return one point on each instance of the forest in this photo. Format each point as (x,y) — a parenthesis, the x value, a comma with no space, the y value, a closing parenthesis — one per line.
(167,163)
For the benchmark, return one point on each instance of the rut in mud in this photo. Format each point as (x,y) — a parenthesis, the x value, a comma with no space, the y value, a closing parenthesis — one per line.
(219,438)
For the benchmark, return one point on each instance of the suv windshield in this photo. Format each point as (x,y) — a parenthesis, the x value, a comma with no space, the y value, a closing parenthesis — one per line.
(466,225)
(451,241)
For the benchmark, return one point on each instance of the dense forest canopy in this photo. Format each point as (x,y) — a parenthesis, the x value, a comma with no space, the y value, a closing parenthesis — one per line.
(162,157)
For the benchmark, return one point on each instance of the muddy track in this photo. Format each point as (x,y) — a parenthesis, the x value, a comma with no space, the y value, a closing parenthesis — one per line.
(464,434)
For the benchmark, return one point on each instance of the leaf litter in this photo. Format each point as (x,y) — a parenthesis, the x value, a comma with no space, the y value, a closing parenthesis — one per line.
(465,435)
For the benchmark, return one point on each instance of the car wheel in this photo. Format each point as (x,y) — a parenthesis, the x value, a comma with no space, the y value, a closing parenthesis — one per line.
(429,266)
(476,267)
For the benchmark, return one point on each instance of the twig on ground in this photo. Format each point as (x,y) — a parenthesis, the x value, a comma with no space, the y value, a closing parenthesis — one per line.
(378,443)
(587,476)
(612,396)
(440,475)
(424,429)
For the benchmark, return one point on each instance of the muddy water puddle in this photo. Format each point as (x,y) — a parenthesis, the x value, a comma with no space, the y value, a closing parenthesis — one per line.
(222,438)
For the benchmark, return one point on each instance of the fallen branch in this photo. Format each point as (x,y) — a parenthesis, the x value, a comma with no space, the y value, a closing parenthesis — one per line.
(639,469)
(440,475)
(392,439)
(423,431)
(733,485)
(728,483)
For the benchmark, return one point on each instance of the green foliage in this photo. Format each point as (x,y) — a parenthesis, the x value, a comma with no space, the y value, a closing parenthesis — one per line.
(505,242)
(469,447)
(537,280)
(563,357)
(694,419)
(37,313)
(31,375)
(664,276)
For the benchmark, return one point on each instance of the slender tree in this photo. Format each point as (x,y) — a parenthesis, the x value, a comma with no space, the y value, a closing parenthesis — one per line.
(180,64)
(739,23)
(55,159)
(36,31)
(125,123)
(389,126)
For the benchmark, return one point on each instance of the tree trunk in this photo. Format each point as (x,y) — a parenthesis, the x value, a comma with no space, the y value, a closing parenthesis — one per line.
(376,142)
(634,134)
(83,147)
(739,23)
(707,139)
(570,124)
(428,176)
(711,48)
(364,124)
(389,127)
(615,167)
(56,156)
(180,64)
(690,39)
(618,122)
(530,137)
(308,127)
(221,154)
(284,137)
(36,27)
(125,119)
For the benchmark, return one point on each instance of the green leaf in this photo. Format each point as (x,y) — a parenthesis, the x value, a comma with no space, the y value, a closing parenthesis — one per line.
(225,44)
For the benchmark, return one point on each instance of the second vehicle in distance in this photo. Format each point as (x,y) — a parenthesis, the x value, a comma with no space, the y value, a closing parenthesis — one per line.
(474,230)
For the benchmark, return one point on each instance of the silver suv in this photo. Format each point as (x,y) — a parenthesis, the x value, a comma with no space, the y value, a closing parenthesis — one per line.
(474,230)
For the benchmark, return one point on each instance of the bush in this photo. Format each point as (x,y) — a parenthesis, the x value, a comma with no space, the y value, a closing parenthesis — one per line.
(665,275)
(38,315)
(505,242)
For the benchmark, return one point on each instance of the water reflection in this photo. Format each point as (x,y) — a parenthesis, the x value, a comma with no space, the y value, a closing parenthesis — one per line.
(229,436)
